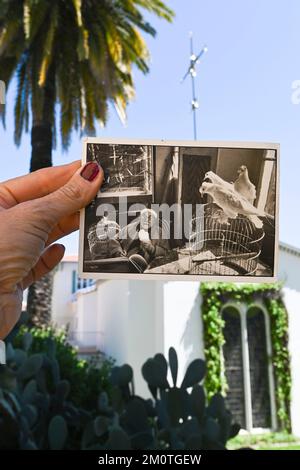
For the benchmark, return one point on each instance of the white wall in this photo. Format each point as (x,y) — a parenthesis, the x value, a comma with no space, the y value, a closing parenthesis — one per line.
(86,332)
(289,267)
(183,322)
(289,264)
(145,326)
(112,318)
(62,308)
(134,320)
(292,302)
(128,325)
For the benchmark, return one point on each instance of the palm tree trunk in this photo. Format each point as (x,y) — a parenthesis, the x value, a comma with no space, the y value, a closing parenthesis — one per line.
(41,146)
(39,300)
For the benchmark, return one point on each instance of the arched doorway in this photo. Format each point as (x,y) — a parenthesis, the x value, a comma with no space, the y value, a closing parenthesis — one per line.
(247,367)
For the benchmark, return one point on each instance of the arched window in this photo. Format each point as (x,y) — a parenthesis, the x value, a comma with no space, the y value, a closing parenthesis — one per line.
(233,364)
(258,358)
(247,366)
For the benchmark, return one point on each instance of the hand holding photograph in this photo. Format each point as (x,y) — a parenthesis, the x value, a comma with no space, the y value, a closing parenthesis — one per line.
(182,210)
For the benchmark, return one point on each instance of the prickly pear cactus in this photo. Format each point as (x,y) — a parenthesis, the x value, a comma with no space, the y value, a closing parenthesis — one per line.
(36,413)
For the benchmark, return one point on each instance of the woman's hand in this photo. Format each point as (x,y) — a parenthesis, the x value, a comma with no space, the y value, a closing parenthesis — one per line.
(35,211)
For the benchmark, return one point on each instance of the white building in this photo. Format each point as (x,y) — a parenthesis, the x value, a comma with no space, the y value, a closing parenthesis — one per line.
(133,320)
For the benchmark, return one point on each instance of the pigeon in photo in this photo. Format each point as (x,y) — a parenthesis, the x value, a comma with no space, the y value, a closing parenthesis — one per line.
(244,186)
(232,203)
(211,177)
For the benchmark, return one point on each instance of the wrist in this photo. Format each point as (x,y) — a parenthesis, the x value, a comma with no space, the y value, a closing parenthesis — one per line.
(10,311)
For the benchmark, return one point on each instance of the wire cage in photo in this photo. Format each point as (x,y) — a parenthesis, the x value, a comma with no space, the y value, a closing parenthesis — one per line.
(108,248)
(230,248)
(127,168)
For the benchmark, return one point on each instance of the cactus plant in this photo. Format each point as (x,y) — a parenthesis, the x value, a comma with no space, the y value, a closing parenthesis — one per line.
(57,433)
(36,411)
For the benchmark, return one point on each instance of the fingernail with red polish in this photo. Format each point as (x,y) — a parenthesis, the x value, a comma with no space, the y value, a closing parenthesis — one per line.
(90,171)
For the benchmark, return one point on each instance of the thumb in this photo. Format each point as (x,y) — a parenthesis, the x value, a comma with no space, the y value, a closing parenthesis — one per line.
(74,195)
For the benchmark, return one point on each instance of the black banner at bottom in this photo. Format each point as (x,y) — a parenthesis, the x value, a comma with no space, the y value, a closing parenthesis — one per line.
(134,459)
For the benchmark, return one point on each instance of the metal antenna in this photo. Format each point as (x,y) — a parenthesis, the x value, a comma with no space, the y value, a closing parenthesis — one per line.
(194,59)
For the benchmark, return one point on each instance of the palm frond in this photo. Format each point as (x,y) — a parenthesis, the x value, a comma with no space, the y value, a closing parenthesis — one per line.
(21,106)
(79,54)
(48,47)
(26,18)
(157,7)
(34,14)
(83,40)
(7,35)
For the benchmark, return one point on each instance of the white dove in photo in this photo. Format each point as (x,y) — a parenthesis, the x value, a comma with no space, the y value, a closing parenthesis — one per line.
(211,177)
(244,186)
(232,203)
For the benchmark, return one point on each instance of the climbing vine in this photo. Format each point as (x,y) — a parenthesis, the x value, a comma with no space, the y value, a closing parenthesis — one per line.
(214,296)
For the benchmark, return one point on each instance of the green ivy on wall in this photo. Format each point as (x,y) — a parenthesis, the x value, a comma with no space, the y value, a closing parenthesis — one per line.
(214,296)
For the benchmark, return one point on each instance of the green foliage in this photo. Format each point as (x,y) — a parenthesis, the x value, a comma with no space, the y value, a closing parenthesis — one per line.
(267,440)
(176,418)
(86,379)
(36,413)
(280,359)
(80,53)
(214,296)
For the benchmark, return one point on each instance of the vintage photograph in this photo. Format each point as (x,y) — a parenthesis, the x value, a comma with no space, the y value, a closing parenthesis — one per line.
(188,210)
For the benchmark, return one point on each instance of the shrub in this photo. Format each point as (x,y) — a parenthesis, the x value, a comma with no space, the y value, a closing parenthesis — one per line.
(86,378)
(36,412)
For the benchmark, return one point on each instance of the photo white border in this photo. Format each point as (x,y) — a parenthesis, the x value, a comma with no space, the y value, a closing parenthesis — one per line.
(183,277)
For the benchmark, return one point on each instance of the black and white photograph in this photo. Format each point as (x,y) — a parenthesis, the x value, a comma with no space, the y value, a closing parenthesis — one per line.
(183,210)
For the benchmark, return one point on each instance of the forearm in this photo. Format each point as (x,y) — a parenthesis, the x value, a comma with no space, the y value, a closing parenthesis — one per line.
(10,311)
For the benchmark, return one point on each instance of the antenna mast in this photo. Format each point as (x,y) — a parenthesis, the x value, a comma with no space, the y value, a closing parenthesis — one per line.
(194,59)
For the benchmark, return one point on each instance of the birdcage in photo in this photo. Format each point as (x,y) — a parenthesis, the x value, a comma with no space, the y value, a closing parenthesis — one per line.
(127,168)
(224,248)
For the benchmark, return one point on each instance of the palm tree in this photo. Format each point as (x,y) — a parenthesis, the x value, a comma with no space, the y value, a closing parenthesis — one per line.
(71,59)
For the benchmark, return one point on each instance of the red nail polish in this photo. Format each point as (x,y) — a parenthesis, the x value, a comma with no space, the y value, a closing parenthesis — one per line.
(90,171)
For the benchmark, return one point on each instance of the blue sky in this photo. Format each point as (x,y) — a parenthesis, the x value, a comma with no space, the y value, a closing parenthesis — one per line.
(244,87)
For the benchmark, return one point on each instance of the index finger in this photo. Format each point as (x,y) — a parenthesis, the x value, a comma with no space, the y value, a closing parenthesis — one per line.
(37,184)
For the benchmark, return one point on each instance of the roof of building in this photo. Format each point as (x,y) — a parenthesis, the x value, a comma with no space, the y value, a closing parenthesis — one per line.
(70,259)
(289,249)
